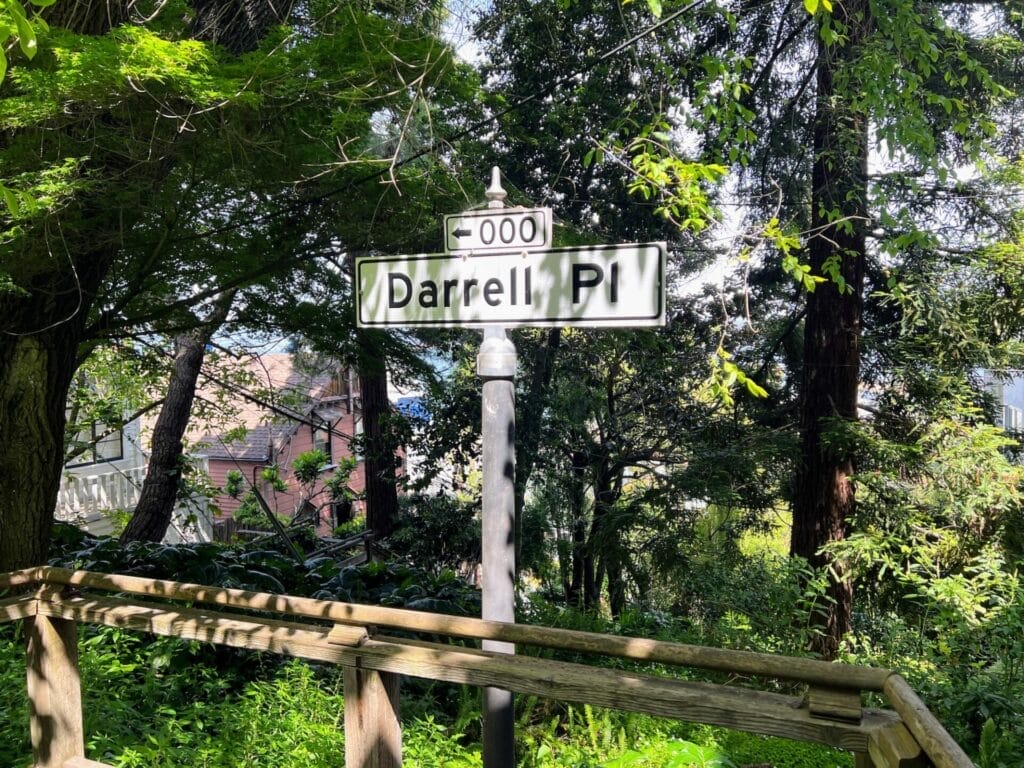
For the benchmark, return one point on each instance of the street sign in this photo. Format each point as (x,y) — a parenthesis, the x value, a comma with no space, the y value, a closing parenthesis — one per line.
(592,286)
(501,229)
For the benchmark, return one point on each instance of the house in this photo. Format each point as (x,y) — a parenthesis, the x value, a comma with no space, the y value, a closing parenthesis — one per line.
(102,484)
(1010,401)
(251,419)
(286,408)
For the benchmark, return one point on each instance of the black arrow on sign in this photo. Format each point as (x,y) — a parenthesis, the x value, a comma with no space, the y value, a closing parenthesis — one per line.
(462,232)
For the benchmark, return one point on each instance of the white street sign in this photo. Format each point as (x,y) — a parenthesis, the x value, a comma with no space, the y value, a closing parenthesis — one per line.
(498,229)
(592,286)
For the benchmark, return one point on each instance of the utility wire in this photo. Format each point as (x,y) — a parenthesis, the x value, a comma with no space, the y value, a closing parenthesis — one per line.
(466,132)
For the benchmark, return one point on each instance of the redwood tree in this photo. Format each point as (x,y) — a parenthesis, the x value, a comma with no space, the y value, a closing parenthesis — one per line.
(378,448)
(823,499)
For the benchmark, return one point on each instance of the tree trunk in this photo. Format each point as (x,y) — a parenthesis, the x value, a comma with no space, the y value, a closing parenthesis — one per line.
(152,515)
(153,512)
(605,544)
(40,335)
(582,566)
(87,17)
(379,452)
(35,374)
(823,501)
(528,424)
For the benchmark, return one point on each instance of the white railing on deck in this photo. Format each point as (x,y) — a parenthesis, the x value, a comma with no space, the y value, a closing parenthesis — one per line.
(83,498)
(88,500)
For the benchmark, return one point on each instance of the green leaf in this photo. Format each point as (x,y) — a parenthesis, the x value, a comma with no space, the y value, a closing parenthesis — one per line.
(811,6)
(12,203)
(655,6)
(26,34)
(755,389)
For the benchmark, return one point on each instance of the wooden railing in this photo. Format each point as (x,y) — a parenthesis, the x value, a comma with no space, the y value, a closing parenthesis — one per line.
(355,636)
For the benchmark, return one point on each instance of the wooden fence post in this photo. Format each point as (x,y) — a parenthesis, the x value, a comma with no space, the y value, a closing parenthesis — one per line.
(373,733)
(54,691)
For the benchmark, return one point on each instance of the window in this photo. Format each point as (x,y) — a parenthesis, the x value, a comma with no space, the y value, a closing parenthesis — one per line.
(322,439)
(104,444)
(359,441)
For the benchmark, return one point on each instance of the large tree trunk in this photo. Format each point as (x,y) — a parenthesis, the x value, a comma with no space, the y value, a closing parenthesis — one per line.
(379,450)
(153,512)
(40,335)
(35,374)
(823,501)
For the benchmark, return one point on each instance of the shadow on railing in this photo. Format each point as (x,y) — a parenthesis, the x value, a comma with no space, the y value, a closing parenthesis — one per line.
(830,712)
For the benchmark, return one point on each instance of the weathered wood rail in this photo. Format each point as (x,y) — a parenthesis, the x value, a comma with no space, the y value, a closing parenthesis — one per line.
(54,601)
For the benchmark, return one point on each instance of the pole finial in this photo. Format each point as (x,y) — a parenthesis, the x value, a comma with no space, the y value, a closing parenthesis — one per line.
(495,193)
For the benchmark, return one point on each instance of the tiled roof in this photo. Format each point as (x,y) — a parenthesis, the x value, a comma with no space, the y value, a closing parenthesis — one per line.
(255,446)
(278,383)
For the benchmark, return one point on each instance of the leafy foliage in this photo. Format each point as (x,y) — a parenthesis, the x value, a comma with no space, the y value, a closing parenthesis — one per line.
(436,533)
(268,570)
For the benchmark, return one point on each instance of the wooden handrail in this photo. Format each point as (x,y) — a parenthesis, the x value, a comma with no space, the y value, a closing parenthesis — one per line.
(811,671)
(741,708)
(933,738)
(349,635)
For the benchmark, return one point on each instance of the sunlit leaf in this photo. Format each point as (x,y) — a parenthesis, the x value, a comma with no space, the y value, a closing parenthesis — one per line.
(26,34)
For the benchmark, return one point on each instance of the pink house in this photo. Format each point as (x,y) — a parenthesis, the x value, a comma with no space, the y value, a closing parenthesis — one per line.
(286,409)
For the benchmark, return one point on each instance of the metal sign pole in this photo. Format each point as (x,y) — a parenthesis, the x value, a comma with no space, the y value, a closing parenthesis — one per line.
(499,270)
(496,365)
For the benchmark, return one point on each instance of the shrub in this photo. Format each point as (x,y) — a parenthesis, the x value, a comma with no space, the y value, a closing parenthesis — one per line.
(263,568)
(436,533)
(15,747)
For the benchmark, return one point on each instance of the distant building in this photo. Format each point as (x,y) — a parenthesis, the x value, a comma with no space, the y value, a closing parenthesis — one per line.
(102,484)
(1009,397)
(253,416)
(286,410)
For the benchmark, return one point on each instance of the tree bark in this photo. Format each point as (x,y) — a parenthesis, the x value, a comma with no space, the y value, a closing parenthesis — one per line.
(40,335)
(379,452)
(35,374)
(604,543)
(528,424)
(823,502)
(153,512)
(152,515)
(87,17)
(582,566)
